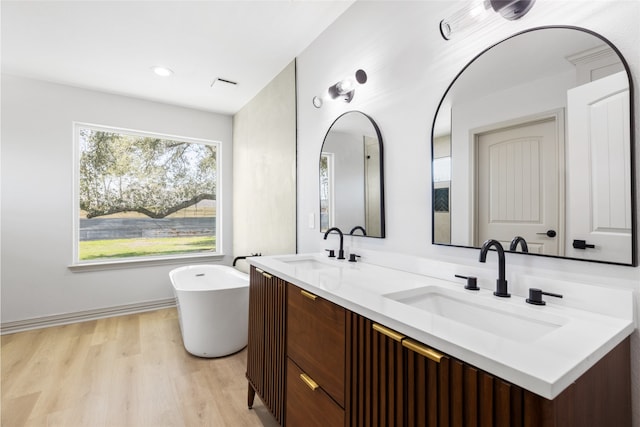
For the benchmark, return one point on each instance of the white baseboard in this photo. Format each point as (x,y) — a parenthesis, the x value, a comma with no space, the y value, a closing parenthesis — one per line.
(83,316)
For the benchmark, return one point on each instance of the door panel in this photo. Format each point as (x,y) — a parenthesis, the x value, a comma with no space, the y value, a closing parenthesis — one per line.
(599,171)
(518,185)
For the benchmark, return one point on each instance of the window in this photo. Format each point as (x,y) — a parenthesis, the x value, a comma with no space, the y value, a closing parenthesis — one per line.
(326,191)
(140,195)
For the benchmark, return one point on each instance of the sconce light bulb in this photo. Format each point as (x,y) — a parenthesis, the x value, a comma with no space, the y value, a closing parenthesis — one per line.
(477,10)
(344,86)
(345,89)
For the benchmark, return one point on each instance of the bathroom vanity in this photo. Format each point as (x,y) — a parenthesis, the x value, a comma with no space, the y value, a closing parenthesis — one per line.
(334,343)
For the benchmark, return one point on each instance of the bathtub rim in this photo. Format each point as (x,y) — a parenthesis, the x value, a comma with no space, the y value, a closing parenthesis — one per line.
(237,280)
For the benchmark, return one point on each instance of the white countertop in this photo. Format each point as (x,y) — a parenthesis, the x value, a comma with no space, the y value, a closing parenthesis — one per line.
(544,364)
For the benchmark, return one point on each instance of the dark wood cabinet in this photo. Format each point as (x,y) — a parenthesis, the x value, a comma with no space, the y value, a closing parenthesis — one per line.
(316,353)
(339,368)
(375,381)
(427,399)
(308,405)
(396,381)
(266,352)
(316,339)
(600,397)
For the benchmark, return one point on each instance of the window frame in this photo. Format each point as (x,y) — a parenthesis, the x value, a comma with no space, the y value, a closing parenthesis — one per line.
(97,264)
(330,189)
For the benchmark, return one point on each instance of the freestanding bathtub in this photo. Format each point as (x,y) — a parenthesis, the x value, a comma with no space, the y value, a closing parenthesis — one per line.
(213,304)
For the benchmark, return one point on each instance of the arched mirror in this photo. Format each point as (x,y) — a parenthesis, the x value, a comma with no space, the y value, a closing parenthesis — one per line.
(351,176)
(534,138)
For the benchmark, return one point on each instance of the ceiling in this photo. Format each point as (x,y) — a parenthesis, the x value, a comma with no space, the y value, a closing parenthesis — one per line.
(111,46)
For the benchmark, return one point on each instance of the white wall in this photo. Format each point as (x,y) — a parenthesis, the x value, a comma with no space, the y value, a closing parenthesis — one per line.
(37,194)
(409,67)
(264,164)
(348,178)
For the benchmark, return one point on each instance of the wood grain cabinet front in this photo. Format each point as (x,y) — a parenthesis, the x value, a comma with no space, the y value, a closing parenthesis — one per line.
(266,355)
(342,369)
(316,360)
(396,381)
(308,405)
(316,339)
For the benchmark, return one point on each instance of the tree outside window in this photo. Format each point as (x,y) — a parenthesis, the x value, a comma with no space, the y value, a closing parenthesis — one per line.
(145,195)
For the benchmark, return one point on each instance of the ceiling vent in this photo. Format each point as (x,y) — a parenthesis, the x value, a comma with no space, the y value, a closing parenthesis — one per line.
(221,81)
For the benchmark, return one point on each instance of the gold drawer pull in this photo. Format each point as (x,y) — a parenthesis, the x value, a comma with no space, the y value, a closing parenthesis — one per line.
(259,271)
(267,275)
(388,332)
(309,382)
(423,350)
(308,295)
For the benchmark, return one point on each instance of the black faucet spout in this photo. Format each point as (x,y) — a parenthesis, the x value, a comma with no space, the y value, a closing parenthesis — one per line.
(523,244)
(341,250)
(501,283)
(356,228)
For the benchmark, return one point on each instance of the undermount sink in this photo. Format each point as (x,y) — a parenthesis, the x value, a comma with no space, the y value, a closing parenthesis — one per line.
(516,326)
(308,263)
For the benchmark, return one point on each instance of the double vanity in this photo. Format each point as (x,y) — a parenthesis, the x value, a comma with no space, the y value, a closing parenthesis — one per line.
(379,342)
(381,339)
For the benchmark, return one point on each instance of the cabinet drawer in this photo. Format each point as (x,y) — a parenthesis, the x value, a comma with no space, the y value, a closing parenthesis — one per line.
(307,406)
(316,339)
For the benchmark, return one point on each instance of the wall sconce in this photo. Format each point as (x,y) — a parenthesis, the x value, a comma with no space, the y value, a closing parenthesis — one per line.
(477,10)
(345,89)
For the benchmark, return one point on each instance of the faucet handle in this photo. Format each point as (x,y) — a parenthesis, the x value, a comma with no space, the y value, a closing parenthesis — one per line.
(535,296)
(472,282)
(352,257)
(332,253)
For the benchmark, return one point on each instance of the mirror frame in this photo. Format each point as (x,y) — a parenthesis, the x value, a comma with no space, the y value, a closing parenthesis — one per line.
(634,226)
(380,146)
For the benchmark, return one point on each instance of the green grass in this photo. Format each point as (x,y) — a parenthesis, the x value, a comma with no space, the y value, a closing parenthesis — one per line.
(126,248)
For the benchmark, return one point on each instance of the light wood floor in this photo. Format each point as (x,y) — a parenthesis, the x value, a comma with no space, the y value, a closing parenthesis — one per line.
(122,371)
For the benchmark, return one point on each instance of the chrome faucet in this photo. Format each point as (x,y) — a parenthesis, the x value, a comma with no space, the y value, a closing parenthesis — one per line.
(341,251)
(501,283)
(523,244)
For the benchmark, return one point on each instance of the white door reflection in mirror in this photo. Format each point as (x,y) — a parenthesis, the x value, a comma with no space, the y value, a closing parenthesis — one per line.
(518,185)
(598,154)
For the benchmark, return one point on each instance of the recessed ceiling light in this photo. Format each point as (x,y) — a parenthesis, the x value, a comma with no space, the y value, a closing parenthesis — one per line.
(162,71)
